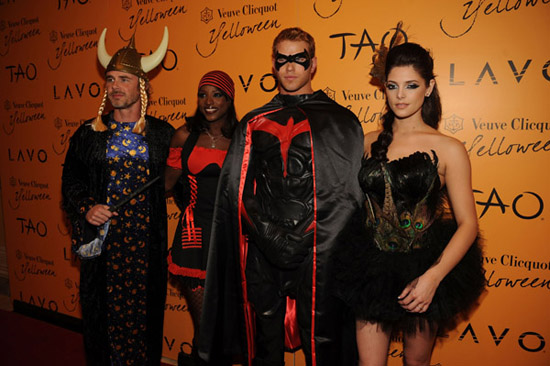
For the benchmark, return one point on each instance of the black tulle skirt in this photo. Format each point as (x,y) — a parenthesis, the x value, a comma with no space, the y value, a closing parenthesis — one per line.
(370,280)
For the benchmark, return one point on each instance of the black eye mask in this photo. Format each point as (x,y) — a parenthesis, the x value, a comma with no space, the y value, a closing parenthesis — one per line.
(296,58)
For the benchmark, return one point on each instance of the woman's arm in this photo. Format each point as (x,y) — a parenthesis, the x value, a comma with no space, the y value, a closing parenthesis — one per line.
(174,165)
(418,295)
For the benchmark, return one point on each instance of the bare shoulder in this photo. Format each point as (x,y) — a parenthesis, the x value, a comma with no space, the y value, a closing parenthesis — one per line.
(369,138)
(448,145)
(180,136)
(182,130)
(450,151)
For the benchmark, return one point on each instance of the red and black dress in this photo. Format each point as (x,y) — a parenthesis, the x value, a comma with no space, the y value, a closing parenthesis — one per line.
(201,168)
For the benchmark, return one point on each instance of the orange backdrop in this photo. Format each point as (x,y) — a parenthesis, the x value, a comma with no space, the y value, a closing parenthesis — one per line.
(492,63)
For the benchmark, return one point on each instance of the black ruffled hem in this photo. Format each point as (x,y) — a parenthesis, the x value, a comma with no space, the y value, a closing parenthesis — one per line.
(370,280)
(181,282)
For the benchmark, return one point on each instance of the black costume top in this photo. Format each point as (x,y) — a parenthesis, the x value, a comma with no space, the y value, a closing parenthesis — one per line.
(337,146)
(200,168)
(129,277)
(406,226)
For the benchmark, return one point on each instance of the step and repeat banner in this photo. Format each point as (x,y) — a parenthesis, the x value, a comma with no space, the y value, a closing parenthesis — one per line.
(493,69)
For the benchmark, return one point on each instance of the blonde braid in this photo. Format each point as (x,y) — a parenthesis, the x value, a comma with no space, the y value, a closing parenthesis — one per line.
(98,124)
(139,128)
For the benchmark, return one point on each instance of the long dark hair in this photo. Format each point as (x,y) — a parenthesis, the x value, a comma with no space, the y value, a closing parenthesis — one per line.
(408,54)
(199,123)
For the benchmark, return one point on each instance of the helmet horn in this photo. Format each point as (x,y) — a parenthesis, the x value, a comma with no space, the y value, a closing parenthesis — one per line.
(148,63)
(102,54)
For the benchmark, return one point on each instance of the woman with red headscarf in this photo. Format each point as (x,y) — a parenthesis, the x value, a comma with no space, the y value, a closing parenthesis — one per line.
(197,152)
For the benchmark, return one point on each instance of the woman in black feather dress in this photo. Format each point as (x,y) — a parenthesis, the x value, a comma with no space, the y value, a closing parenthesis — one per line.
(416,266)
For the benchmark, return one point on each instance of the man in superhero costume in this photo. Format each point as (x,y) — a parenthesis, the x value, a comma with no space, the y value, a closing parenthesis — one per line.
(287,189)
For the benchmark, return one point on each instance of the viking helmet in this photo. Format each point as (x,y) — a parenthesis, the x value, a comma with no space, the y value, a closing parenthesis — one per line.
(127,59)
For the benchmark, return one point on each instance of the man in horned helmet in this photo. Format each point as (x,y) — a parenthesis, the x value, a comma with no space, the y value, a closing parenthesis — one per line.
(120,235)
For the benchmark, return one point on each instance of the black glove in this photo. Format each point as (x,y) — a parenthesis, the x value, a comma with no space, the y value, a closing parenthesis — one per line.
(282,247)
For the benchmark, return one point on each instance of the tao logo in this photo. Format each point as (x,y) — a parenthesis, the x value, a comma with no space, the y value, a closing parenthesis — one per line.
(28,227)
(29,73)
(494,200)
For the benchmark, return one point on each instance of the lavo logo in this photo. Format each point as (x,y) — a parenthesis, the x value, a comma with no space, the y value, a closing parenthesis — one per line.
(518,71)
(78,90)
(528,341)
(266,88)
(39,301)
(494,200)
(27,155)
(171,342)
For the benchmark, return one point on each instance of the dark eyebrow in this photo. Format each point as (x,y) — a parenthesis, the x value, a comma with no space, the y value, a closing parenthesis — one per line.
(406,82)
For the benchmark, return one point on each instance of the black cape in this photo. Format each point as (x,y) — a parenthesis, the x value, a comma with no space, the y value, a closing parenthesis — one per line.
(84,184)
(337,138)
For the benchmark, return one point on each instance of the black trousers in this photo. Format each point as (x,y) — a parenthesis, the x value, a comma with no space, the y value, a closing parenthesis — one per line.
(268,288)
